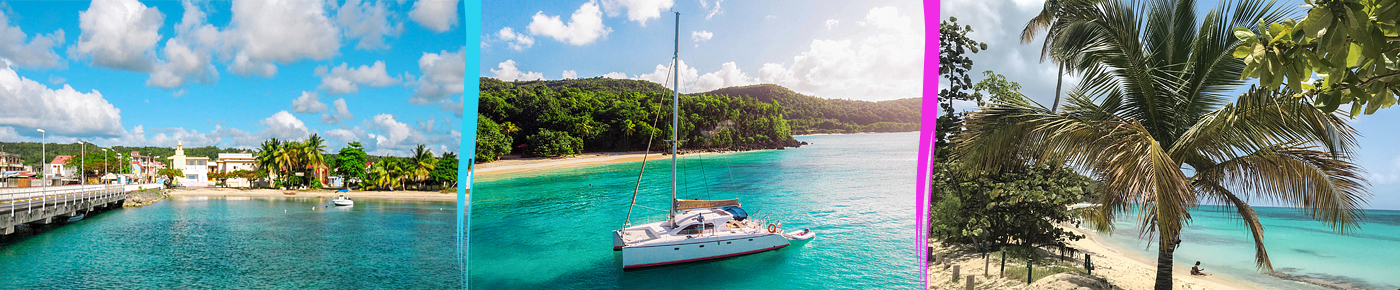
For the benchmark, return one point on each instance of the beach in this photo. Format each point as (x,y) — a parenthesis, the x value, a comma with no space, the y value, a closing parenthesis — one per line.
(515,164)
(1120,268)
(270,193)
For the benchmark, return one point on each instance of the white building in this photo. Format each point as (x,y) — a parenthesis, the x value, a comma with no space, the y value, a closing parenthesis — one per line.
(196,169)
(230,162)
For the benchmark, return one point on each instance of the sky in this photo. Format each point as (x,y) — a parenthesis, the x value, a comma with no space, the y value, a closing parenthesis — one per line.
(999,23)
(861,50)
(388,74)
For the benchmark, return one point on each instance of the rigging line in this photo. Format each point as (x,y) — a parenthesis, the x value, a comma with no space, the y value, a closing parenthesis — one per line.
(701,160)
(651,135)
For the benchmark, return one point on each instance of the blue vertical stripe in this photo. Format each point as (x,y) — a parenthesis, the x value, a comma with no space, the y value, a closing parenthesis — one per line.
(471,17)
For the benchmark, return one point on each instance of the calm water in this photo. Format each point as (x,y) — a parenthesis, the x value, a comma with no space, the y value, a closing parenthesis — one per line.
(187,243)
(1297,245)
(552,230)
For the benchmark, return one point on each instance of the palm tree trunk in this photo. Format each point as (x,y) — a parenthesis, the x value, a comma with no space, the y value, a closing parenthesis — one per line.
(1164,266)
(1059,80)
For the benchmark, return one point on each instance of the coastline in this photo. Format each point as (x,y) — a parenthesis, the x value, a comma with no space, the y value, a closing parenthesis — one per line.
(1120,268)
(274,193)
(521,165)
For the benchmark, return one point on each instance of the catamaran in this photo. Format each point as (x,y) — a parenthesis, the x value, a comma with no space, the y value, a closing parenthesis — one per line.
(694,230)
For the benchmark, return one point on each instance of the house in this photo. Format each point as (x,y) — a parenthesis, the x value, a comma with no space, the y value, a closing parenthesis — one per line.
(144,167)
(231,162)
(10,162)
(60,169)
(196,168)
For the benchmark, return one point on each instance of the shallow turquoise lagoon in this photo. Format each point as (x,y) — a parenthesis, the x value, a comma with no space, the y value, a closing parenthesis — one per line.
(552,229)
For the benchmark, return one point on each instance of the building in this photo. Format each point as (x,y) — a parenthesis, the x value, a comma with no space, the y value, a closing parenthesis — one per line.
(60,169)
(144,167)
(231,162)
(196,169)
(10,162)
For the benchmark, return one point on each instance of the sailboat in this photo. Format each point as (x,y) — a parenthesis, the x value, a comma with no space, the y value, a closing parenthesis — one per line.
(694,230)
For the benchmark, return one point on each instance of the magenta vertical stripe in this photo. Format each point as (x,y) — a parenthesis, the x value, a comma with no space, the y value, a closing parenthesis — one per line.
(928,128)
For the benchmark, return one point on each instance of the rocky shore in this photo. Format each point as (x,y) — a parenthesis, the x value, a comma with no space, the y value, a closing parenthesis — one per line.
(144,197)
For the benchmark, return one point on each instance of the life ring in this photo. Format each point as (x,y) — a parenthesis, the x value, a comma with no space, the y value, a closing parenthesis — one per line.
(772,228)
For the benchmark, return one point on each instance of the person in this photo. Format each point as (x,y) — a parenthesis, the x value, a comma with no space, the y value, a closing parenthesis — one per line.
(1197,270)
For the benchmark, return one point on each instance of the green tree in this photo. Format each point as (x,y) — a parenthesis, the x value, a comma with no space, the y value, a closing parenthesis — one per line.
(1153,102)
(421,165)
(1352,45)
(350,163)
(491,140)
(445,173)
(313,153)
(550,143)
(954,64)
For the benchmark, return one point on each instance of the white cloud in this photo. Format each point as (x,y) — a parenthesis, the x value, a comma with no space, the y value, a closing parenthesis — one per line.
(444,74)
(36,53)
(999,23)
(713,10)
(182,64)
(516,41)
(284,125)
(585,25)
(344,80)
(702,35)
(368,22)
(832,23)
(728,75)
(436,15)
(569,74)
(508,72)
(263,33)
(340,114)
(29,105)
(390,134)
(120,34)
(615,75)
(661,74)
(308,103)
(883,66)
(342,136)
(638,10)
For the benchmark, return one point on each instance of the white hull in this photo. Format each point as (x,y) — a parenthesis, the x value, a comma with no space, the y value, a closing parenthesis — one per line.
(699,249)
(344,202)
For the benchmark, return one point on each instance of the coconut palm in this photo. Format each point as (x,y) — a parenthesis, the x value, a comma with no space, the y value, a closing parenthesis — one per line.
(266,157)
(314,150)
(1153,123)
(421,164)
(1055,17)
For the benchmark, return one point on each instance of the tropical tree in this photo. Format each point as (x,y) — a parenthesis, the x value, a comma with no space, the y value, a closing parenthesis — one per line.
(350,163)
(1055,18)
(266,158)
(421,164)
(1153,106)
(313,150)
(445,173)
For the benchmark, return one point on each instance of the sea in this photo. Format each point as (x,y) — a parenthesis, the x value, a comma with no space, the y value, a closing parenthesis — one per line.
(241,243)
(551,229)
(1305,253)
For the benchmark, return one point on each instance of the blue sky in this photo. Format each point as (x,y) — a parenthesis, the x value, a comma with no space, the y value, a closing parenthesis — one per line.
(388,74)
(999,24)
(865,50)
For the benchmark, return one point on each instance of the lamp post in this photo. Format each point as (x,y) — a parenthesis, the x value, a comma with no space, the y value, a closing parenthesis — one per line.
(104,165)
(44,166)
(82,161)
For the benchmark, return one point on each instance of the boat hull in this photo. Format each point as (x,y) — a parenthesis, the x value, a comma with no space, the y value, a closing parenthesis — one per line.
(344,203)
(642,256)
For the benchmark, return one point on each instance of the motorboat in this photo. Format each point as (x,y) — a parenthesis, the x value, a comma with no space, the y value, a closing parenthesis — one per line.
(803,235)
(343,201)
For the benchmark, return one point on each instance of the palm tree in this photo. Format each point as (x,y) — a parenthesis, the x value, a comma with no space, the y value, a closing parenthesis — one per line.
(1055,18)
(421,164)
(314,153)
(1153,123)
(267,156)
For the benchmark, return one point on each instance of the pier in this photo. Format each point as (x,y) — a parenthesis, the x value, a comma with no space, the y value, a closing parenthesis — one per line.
(47,205)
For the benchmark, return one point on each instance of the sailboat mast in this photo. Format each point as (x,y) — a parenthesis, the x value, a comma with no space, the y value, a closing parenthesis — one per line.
(675,116)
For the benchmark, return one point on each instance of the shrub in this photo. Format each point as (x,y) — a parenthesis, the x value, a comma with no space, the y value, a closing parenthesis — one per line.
(550,143)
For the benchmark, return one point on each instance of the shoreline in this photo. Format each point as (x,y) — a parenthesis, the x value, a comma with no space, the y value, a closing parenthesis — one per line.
(320,193)
(517,165)
(1148,265)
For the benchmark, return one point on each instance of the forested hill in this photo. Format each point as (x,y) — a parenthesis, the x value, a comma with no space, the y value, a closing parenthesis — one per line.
(808,114)
(555,118)
(30,152)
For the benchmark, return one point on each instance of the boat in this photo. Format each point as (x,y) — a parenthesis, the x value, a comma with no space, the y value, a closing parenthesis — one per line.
(694,230)
(803,235)
(343,201)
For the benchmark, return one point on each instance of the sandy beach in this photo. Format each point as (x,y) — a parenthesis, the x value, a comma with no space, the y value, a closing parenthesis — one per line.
(274,193)
(1113,265)
(514,164)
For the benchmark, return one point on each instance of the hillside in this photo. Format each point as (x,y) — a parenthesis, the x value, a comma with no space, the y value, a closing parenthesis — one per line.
(808,114)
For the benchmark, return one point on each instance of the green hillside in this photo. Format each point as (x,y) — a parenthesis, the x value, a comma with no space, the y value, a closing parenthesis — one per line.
(808,114)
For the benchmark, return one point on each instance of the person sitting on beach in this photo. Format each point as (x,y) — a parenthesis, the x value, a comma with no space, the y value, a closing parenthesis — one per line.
(1197,270)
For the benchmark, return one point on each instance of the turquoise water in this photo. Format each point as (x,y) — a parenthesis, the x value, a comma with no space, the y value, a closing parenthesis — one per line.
(552,229)
(191,243)
(1298,246)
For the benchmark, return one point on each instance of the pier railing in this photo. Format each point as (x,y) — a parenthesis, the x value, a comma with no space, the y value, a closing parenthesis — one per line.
(48,204)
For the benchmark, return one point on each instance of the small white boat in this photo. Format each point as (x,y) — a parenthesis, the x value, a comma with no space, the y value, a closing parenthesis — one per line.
(802,235)
(343,201)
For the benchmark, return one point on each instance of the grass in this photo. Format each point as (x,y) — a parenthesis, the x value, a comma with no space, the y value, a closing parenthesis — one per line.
(1042,268)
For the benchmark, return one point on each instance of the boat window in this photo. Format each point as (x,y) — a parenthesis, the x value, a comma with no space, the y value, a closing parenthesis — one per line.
(689,230)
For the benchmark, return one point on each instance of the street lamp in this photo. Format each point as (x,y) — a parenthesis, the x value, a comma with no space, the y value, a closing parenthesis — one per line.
(44,166)
(104,165)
